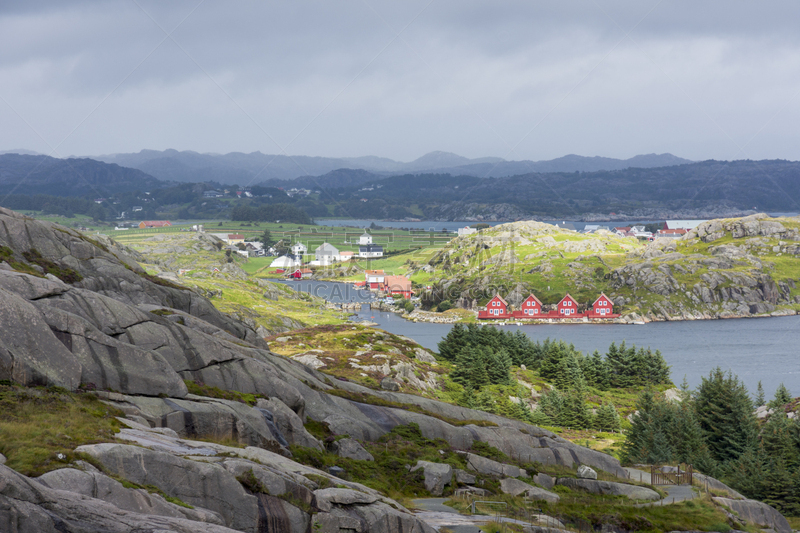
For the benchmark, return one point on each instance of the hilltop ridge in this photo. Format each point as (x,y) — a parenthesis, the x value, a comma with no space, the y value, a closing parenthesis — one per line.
(722,269)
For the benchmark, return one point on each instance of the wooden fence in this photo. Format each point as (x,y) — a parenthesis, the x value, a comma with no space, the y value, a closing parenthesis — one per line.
(682,475)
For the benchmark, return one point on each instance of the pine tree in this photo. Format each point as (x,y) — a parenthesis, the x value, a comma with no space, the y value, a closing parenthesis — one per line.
(485,402)
(467,398)
(782,397)
(607,418)
(464,362)
(499,368)
(478,374)
(453,343)
(759,400)
(725,414)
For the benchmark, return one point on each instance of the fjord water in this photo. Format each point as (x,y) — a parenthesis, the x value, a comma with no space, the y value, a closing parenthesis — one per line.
(765,349)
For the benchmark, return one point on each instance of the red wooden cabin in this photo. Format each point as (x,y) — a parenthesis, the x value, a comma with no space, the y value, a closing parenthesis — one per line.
(530,308)
(603,307)
(568,308)
(496,308)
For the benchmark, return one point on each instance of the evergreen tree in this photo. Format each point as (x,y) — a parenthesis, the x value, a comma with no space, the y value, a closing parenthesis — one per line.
(759,400)
(499,368)
(782,397)
(485,402)
(725,414)
(607,418)
(453,343)
(550,404)
(467,398)
(464,363)
(478,374)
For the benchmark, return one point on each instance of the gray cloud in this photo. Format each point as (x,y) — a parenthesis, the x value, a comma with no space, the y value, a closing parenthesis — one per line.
(517,80)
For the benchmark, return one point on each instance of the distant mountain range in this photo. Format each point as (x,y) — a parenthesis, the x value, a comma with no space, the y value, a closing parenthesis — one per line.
(40,174)
(246,169)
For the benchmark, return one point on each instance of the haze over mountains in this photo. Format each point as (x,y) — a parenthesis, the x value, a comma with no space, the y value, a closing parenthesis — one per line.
(241,169)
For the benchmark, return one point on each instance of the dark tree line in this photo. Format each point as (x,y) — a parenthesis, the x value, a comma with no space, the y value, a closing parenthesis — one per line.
(715,429)
(483,355)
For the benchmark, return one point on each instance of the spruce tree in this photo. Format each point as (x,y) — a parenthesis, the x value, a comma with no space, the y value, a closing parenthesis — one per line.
(478,373)
(453,343)
(467,398)
(725,414)
(499,368)
(464,362)
(759,400)
(782,397)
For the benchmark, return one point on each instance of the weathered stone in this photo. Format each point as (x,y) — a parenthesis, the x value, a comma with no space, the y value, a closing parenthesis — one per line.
(464,477)
(2,459)
(27,506)
(424,356)
(390,384)
(437,475)
(489,467)
(289,423)
(585,472)
(326,498)
(351,449)
(516,487)
(757,513)
(609,488)
(97,485)
(202,484)
(544,480)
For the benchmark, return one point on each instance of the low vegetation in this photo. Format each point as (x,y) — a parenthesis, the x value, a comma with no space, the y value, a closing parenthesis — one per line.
(40,427)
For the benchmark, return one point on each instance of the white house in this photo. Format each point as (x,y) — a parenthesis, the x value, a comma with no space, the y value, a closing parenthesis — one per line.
(370,250)
(466,231)
(299,249)
(284,262)
(365,239)
(326,254)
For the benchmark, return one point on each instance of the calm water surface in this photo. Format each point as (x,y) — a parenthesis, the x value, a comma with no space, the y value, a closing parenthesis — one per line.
(766,349)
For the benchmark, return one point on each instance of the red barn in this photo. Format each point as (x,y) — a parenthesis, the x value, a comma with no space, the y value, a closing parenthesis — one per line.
(496,308)
(603,307)
(568,307)
(530,308)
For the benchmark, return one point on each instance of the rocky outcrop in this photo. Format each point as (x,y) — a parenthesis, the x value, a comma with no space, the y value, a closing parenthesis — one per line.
(584,472)
(27,506)
(757,513)
(488,467)
(351,449)
(610,488)
(516,487)
(437,476)
(97,485)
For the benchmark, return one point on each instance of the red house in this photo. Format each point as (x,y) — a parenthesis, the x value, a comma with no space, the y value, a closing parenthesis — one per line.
(530,308)
(496,308)
(603,307)
(301,273)
(568,308)
(154,224)
(395,285)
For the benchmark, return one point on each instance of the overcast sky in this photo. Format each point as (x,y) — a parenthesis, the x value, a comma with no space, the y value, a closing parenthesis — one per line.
(512,79)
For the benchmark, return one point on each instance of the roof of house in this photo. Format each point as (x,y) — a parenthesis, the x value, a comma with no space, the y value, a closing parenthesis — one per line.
(156,223)
(534,297)
(346,253)
(568,295)
(235,236)
(370,248)
(398,283)
(373,272)
(672,231)
(304,270)
(327,247)
(500,297)
(602,295)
